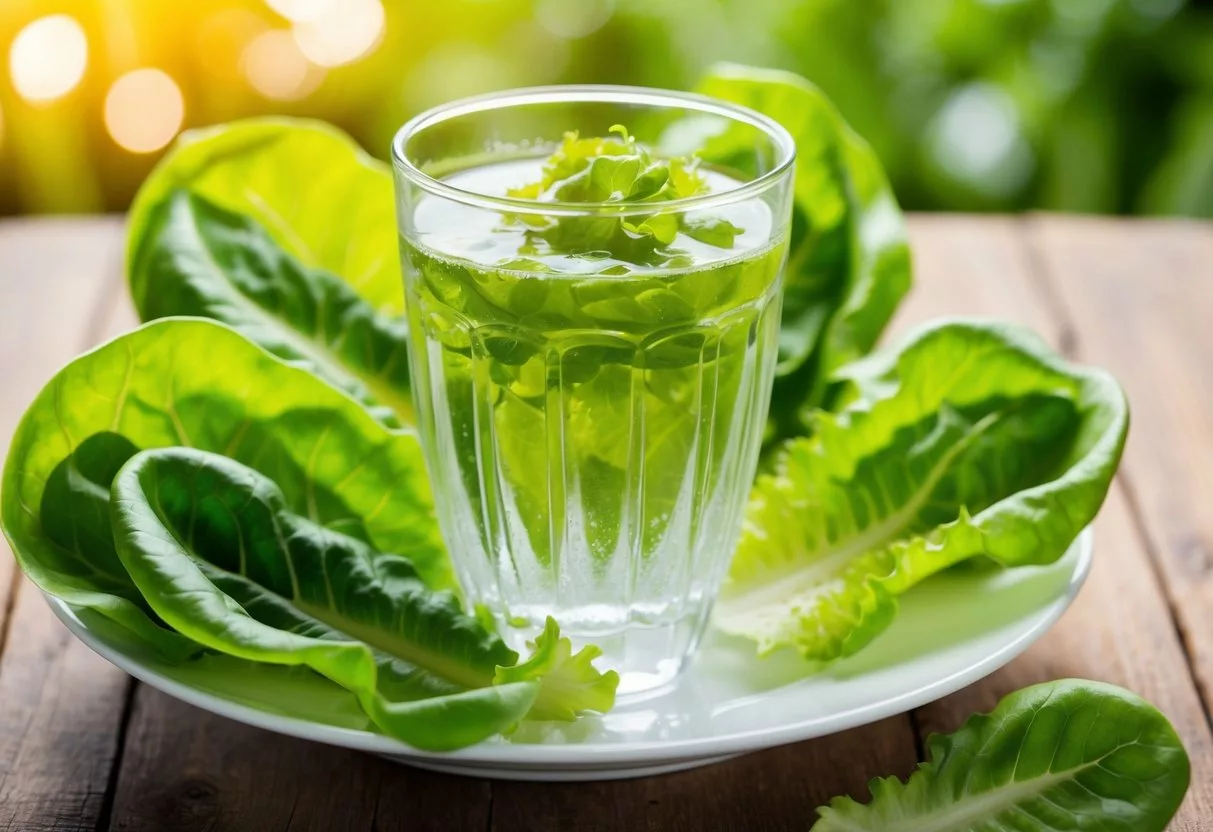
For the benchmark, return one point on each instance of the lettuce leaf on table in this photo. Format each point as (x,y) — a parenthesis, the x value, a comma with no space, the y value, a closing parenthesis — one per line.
(222,229)
(971,439)
(1054,757)
(849,261)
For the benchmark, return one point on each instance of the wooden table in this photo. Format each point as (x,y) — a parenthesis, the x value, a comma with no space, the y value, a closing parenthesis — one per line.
(84,747)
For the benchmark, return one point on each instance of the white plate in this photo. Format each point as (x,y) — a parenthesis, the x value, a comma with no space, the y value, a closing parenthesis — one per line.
(952,630)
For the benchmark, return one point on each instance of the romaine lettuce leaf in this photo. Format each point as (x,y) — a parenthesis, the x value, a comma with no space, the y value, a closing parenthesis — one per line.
(1054,757)
(196,258)
(971,439)
(317,193)
(197,383)
(849,260)
(215,551)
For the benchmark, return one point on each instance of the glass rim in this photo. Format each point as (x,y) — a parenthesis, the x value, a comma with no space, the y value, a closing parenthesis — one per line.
(591,93)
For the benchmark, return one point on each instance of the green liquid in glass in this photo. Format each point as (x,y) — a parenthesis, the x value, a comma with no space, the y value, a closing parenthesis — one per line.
(591,436)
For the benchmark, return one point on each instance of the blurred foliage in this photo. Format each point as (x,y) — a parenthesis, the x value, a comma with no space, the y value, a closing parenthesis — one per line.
(1076,105)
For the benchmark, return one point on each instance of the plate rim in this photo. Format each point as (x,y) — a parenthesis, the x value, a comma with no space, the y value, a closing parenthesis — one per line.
(588,755)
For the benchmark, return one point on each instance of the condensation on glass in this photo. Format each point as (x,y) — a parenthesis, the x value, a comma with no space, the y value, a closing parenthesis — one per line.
(591,438)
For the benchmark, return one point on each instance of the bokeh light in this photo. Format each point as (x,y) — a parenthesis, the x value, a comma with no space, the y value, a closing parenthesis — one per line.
(144,110)
(341,32)
(976,137)
(276,68)
(573,18)
(47,58)
(1101,106)
(301,11)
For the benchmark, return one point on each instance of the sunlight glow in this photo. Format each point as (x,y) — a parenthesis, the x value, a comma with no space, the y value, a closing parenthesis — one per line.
(300,11)
(222,40)
(341,34)
(276,68)
(144,110)
(48,58)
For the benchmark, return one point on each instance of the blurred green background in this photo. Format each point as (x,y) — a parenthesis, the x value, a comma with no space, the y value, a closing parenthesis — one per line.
(1074,105)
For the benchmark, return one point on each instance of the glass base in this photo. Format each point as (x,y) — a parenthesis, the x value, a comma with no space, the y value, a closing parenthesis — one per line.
(647,657)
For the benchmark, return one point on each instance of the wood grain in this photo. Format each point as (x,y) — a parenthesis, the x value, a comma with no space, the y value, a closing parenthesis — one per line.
(53,276)
(770,791)
(1139,296)
(60,706)
(60,722)
(1119,630)
(966,265)
(185,769)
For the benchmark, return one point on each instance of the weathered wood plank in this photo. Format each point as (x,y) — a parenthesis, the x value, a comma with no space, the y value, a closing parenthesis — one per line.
(764,792)
(60,717)
(1140,299)
(185,769)
(1119,629)
(967,265)
(60,706)
(52,286)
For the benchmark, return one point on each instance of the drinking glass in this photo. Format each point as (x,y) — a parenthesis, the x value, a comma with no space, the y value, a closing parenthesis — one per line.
(592,423)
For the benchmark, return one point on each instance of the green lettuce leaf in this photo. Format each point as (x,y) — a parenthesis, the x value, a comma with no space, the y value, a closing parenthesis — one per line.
(612,170)
(199,259)
(570,684)
(197,383)
(1054,757)
(76,559)
(213,548)
(970,440)
(849,261)
(321,198)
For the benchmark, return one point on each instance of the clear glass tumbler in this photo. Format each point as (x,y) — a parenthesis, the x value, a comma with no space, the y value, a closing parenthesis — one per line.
(592,378)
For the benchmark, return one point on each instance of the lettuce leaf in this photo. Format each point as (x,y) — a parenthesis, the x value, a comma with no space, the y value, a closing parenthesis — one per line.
(849,261)
(258,462)
(316,192)
(197,383)
(199,259)
(1054,757)
(215,551)
(617,169)
(970,440)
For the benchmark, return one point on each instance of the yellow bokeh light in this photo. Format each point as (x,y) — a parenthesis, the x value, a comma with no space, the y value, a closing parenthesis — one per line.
(299,11)
(276,68)
(48,57)
(144,110)
(343,33)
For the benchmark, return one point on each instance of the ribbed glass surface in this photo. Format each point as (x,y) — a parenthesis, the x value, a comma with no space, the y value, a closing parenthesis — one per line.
(593,465)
